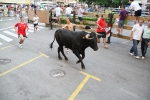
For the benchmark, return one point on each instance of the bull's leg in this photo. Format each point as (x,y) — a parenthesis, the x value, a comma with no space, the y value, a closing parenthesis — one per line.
(59,57)
(62,51)
(83,56)
(80,58)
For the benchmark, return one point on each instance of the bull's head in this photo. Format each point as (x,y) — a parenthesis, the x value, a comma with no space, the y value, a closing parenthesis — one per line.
(92,38)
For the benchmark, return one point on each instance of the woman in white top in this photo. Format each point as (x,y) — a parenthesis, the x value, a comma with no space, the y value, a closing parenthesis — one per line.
(36,20)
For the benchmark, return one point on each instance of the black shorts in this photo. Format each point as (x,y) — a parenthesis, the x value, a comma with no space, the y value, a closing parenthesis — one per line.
(138,13)
(102,34)
(35,24)
(80,18)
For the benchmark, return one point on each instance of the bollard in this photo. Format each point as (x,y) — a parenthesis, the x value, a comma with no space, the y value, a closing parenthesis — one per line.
(50,19)
(110,16)
(74,19)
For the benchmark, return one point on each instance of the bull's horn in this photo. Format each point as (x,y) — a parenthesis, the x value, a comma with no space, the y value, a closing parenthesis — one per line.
(87,37)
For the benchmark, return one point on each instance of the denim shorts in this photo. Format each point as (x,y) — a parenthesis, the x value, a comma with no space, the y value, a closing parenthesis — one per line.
(120,23)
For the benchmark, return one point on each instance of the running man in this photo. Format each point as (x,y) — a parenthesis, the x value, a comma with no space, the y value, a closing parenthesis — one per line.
(36,20)
(21,28)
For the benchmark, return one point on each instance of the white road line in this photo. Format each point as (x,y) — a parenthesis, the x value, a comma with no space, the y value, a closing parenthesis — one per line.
(6,28)
(10,19)
(10,33)
(30,31)
(0,43)
(5,38)
(13,29)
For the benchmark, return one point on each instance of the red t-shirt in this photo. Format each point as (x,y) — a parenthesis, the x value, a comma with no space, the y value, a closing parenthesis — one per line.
(102,23)
(22,28)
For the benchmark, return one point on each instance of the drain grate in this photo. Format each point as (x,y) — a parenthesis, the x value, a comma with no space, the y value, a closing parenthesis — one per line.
(57,73)
(5,61)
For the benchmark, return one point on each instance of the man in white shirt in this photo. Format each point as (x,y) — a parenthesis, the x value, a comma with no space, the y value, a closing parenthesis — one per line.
(58,12)
(68,11)
(136,37)
(137,9)
(80,14)
(36,20)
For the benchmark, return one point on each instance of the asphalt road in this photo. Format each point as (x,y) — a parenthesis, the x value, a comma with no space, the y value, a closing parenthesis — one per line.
(35,73)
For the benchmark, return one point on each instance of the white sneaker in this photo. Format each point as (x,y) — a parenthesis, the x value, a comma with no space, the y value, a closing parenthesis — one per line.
(131,53)
(137,57)
(20,46)
(143,57)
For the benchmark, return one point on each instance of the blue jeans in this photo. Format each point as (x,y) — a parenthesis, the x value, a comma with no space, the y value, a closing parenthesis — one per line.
(134,47)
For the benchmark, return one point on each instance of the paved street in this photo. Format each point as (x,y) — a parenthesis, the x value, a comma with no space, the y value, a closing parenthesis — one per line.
(35,73)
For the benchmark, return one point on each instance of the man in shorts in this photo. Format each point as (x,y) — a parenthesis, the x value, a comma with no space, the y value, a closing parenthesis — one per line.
(21,28)
(58,13)
(101,25)
(137,9)
(123,14)
(80,14)
(36,20)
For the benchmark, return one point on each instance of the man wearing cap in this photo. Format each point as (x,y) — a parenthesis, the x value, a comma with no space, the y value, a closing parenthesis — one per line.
(21,28)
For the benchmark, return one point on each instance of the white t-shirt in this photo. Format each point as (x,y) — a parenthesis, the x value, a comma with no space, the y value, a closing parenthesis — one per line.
(80,12)
(68,10)
(137,31)
(36,20)
(135,6)
(58,10)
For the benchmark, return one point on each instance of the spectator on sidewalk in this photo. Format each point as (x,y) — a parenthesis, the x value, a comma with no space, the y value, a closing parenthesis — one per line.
(80,14)
(58,13)
(137,9)
(123,14)
(101,30)
(145,40)
(136,35)
(68,11)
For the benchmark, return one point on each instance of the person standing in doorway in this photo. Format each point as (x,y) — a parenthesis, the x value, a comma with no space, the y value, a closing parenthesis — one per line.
(136,35)
(21,28)
(80,14)
(137,9)
(101,25)
(145,40)
(123,14)
(35,23)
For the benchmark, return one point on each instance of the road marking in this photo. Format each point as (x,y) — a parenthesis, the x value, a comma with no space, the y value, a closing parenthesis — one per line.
(75,93)
(10,19)
(10,33)
(32,28)
(7,28)
(0,43)
(27,62)
(7,47)
(30,31)
(5,38)
(38,26)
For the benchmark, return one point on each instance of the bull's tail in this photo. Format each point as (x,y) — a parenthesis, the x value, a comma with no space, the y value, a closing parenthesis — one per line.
(51,46)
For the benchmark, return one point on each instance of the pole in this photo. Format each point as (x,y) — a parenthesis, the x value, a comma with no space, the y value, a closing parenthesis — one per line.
(50,19)
(74,18)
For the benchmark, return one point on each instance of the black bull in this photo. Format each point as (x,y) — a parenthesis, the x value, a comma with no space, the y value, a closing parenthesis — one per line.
(77,41)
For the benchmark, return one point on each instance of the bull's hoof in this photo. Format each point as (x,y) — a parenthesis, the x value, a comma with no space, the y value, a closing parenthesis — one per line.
(66,59)
(83,68)
(77,62)
(60,58)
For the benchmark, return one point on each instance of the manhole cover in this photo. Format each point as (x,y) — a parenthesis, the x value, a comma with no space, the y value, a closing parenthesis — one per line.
(5,61)
(57,73)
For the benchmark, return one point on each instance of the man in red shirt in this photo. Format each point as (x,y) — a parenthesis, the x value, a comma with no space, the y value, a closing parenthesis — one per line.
(22,28)
(101,30)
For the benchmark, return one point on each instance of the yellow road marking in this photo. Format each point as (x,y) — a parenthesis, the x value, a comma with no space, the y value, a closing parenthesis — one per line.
(75,93)
(7,47)
(10,70)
